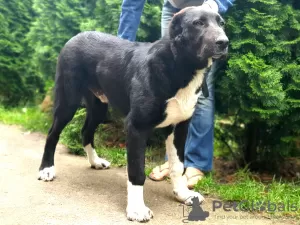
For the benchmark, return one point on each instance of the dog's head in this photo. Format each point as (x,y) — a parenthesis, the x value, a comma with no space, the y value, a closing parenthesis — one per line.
(199,33)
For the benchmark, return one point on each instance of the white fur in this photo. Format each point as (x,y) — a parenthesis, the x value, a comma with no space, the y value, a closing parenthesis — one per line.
(136,209)
(95,161)
(181,107)
(180,190)
(47,174)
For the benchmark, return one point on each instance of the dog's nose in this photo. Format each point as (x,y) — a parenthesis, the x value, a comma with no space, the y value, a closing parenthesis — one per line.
(222,42)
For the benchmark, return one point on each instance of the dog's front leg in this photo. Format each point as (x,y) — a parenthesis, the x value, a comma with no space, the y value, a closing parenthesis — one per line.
(175,148)
(136,146)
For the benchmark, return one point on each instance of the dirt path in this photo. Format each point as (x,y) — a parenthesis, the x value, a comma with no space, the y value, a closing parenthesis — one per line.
(81,195)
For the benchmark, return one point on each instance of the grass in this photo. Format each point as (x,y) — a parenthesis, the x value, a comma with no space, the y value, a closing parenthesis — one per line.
(32,119)
(244,187)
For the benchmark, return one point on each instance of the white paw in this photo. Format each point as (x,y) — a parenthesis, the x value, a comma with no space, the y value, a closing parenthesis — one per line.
(141,214)
(186,196)
(47,174)
(99,163)
(95,161)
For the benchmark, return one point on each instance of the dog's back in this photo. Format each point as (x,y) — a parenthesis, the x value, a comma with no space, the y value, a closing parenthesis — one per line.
(98,62)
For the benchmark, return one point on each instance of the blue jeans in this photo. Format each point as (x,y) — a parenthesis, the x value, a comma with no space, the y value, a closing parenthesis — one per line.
(199,144)
(130,18)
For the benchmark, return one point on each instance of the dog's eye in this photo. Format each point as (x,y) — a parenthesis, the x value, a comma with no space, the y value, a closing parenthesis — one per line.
(198,23)
(222,24)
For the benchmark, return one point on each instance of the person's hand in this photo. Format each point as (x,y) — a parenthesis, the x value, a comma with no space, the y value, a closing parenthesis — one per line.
(211,5)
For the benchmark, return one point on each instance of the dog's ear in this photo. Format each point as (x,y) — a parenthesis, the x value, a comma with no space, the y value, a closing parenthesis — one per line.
(175,25)
(175,28)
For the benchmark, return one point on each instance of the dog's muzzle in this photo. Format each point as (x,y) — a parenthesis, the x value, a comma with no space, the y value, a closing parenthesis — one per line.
(221,47)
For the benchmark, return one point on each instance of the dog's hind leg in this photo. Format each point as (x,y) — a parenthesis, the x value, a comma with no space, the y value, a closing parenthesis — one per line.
(175,150)
(136,146)
(62,116)
(68,96)
(96,114)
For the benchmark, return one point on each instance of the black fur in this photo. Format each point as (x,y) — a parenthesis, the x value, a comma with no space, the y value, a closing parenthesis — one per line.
(137,79)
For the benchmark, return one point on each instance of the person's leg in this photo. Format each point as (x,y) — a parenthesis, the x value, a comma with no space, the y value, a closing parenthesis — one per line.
(130,18)
(167,14)
(199,144)
(168,11)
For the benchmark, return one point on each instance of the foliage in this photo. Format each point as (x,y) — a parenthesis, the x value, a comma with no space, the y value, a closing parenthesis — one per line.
(260,86)
(18,83)
(56,22)
(71,135)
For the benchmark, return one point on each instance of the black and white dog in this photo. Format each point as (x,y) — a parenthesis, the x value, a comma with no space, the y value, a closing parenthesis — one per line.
(155,85)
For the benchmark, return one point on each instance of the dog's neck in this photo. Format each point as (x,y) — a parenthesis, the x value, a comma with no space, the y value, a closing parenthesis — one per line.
(179,68)
(186,59)
(185,63)
(180,55)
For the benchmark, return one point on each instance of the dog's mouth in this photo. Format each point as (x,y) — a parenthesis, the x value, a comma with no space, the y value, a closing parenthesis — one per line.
(220,55)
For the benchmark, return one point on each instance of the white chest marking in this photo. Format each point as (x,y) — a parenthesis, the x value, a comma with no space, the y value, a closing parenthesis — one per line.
(181,107)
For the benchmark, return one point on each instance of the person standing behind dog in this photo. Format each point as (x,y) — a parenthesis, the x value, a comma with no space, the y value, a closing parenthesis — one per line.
(198,156)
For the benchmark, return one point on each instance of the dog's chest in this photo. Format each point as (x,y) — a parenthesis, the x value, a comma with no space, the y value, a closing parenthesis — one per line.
(181,107)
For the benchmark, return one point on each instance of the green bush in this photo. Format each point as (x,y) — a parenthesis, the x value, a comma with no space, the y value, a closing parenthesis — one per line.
(71,135)
(259,88)
(19,83)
